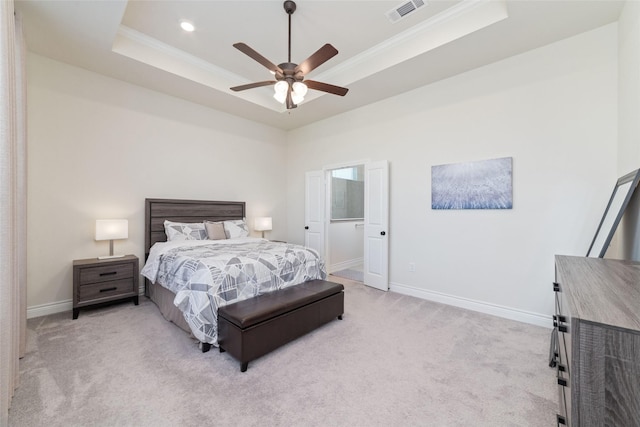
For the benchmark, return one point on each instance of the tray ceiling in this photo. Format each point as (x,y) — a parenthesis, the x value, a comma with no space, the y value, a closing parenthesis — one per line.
(141,42)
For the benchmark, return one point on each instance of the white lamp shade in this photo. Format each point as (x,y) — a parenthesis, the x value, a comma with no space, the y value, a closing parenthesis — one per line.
(262,224)
(112,229)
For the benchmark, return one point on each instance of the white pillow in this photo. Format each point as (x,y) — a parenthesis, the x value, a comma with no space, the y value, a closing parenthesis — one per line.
(176,231)
(236,228)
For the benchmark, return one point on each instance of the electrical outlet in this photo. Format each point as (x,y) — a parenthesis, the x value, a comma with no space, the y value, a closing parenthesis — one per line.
(412,267)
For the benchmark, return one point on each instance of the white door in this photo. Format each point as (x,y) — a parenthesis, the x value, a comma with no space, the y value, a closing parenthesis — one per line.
(314,200)
(376,225)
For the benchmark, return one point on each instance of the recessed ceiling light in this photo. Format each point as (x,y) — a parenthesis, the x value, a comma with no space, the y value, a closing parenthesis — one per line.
(187,26)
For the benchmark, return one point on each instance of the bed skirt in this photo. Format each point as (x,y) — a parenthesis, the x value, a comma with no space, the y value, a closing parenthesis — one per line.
(163,298)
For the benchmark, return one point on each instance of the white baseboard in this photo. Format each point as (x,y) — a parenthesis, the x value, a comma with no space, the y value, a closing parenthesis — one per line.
(50,308)
(469,304)
(58,307)
(483,307)
(345,264)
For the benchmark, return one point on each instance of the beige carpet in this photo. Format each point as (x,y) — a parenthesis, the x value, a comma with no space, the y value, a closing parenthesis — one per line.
(351,274)
(393,361)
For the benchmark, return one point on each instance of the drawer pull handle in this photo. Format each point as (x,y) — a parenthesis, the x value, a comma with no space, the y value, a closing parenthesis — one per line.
(111,273)
(559,318)
(556,287)
(563,328)
(562,382)
(108,289)
(562,368)
(561,420)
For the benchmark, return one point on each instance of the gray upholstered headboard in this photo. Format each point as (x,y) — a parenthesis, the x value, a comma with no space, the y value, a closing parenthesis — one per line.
(159,210)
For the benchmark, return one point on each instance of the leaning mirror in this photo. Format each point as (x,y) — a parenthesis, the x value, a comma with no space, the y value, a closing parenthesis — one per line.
(618,202)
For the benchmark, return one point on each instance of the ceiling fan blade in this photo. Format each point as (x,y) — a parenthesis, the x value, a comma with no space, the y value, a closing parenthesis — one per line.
(252,85)
(321,56)
(242,47)
(326,87)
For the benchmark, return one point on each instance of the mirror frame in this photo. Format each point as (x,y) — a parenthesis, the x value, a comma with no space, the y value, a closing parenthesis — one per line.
(632,177)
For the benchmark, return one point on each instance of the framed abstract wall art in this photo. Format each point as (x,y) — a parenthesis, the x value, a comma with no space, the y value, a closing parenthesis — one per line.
(485,184)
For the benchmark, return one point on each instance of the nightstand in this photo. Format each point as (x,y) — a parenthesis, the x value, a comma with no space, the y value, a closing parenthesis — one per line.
(96,281)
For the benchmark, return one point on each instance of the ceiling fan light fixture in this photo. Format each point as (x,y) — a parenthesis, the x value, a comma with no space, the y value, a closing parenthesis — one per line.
(296,98)
(281,97)
(299,88)
(289,88)
(281,87)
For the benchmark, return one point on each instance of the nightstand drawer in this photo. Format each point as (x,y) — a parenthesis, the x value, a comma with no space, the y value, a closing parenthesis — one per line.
(96,274)
(98,291)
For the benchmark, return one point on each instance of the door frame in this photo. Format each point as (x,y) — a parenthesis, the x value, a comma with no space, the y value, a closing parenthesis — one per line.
(377,279)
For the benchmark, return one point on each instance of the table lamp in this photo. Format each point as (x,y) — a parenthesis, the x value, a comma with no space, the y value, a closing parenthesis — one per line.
(111,229)
(262,224)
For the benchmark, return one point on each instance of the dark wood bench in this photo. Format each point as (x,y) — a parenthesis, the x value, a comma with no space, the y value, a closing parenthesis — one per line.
(252,328)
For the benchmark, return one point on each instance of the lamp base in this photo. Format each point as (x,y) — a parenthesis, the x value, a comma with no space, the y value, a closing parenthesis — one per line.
(110,256)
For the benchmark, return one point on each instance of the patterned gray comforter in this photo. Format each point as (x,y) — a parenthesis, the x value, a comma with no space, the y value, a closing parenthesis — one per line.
(206,274)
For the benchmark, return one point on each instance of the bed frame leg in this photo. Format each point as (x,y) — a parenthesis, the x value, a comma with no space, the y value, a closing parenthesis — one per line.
(340,317)
(222,350)
(205,346)
(244,366)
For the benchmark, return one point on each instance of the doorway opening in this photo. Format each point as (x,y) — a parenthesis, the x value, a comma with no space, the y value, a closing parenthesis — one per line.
(345,225)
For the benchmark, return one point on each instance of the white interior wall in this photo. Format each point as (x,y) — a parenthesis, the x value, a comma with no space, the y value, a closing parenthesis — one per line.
(98,147)
(346,245)
(629,88)
(629,122)
(553,109)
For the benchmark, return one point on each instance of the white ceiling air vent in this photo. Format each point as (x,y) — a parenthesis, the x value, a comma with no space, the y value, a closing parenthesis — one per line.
(403,9)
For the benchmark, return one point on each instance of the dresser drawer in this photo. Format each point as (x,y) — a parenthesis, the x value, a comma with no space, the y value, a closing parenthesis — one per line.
(564,390)
(105,290)
(564,416)
(103,273)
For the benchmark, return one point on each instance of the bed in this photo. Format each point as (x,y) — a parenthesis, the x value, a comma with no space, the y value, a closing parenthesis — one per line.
(189,280)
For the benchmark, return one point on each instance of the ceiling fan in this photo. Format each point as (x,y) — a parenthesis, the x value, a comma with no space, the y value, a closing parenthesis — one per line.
(289,86)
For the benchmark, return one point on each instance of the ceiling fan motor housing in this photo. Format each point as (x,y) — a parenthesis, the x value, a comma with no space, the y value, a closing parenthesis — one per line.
(289,72)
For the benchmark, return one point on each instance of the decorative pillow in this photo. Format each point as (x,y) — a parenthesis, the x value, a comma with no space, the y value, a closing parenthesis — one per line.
(215,230)
(184,231)
(236,228)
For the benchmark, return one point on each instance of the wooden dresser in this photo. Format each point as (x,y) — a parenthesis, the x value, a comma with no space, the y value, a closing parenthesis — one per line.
(598,353)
